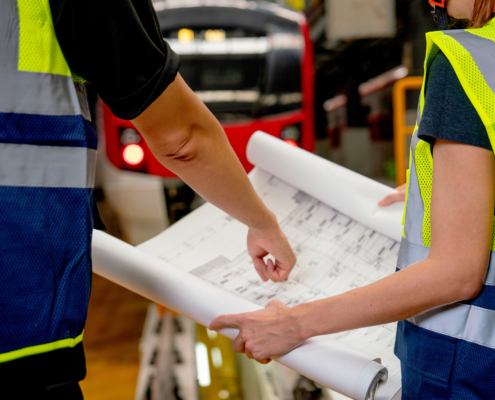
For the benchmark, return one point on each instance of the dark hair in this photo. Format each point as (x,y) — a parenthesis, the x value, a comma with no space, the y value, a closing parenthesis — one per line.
(483,10)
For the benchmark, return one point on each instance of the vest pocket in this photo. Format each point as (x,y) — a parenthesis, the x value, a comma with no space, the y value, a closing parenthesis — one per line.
(427,353)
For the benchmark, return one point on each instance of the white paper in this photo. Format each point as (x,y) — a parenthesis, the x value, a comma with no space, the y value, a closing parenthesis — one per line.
(202,302)
(335,254)
(347,191)
(200,266)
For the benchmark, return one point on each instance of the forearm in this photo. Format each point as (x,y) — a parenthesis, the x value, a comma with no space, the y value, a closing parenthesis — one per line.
(187,139)
(418,288)
(213,170)
(461,226)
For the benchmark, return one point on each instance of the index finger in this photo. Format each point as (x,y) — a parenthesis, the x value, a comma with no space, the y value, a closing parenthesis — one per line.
(226,321)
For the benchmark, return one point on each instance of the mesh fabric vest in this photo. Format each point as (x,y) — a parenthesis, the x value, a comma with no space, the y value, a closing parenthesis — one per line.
(452,346)
(47,162)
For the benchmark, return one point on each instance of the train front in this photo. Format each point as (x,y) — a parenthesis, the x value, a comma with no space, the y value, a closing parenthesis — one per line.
(250,62)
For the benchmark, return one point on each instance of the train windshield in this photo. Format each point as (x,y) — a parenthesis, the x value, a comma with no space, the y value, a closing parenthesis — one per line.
(238,72)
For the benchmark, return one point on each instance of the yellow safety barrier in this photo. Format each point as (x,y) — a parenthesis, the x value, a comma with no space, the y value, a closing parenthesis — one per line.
(400,127)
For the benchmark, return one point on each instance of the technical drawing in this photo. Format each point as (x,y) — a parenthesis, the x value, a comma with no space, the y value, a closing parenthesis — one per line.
(335,254)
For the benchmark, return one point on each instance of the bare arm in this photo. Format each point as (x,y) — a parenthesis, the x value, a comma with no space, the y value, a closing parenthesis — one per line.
(187,139)
(461,223)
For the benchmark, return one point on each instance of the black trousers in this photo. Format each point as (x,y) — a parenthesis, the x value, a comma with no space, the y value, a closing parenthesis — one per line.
(67,391)
(47,376)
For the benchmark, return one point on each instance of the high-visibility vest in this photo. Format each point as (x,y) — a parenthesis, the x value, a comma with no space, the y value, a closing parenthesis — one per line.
(47,166)
(453,344)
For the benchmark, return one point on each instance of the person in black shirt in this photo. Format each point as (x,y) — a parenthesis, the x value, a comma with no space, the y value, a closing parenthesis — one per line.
(117,46)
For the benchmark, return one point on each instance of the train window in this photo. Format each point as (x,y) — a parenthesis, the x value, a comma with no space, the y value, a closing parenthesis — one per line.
(222,74)
(240,73)
(224,77)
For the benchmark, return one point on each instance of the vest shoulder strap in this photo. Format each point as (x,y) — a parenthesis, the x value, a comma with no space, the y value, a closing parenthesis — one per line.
(471,53)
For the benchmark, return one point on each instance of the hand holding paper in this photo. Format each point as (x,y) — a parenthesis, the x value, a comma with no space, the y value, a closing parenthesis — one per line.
(272,241)
(263,334)
(200,267)
(398,195)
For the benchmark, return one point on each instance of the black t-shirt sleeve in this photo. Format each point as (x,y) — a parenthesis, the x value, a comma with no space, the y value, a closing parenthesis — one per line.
(118,47)
(448,113)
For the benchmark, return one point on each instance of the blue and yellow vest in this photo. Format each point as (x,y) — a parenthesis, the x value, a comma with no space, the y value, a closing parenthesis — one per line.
(452,346)
(47,165)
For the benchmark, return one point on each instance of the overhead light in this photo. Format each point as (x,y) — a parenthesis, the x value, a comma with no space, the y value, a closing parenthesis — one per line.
(223,394)
(211,334)
(186,35)
(133,154)
(202,364)
(216,357)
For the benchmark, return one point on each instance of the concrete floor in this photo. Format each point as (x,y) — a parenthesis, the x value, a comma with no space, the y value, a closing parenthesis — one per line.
(113,330)
(115,321)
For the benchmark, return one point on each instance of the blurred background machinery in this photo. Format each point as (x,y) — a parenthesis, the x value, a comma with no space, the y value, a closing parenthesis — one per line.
(181,360)
(338,78)
(318,74)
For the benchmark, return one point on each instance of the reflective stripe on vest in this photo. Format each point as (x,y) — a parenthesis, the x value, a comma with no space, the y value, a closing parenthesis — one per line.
(472,55)
(47,166)
(462,321)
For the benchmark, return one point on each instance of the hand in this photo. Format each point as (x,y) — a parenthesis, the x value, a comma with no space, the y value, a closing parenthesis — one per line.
(264,334)
(261,242)
(399,195)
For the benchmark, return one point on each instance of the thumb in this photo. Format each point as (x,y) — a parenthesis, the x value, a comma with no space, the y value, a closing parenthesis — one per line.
(274,303)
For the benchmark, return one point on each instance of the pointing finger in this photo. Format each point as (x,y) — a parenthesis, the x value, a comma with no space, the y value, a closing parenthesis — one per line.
(272,271)
(225,321)
(282,272)
(260,268)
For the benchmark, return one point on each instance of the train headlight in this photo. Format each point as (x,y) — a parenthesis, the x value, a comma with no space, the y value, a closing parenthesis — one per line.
(129,136)
(133,154)
(291,133)
(291,143)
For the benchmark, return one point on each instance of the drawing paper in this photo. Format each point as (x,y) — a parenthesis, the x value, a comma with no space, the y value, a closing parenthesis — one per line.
(200,266)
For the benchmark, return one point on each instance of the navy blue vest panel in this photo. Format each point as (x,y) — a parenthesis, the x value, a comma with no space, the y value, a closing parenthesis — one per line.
(66,131)
(45,240)
(436,366)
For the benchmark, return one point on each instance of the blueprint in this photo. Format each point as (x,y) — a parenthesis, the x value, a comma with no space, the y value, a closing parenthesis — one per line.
(200,268)
(335,254)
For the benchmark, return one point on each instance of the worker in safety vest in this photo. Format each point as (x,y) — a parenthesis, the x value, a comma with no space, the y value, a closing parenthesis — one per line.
(444,291)
(48,48)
